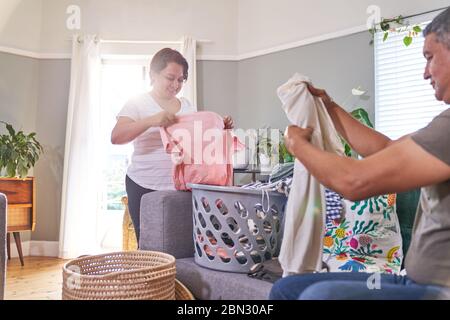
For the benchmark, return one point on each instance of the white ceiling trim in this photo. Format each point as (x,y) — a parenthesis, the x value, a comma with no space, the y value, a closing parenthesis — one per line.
(324,37)
(254,54)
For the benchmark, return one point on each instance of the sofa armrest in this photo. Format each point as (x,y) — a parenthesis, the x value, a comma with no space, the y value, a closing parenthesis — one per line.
(166,223)
(3,215)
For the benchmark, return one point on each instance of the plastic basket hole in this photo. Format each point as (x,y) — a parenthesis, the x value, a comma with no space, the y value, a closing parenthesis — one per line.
(194,200)
(255,256)
(240,257)
(261,243)
(215,222)
(233,225)
(274,210)
(223,255)
(227,240)
(199,237)
(221,206)
(267,226)
(202,220)
(194,220)
(267,255)
(208,251)
(199,251)
(245,242)
(272,242)
(260,212)
(241,210)
(205,204)
(276,223)
(211,237)
(252,227)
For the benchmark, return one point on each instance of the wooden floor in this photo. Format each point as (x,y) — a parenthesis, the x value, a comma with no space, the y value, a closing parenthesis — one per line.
(39,279)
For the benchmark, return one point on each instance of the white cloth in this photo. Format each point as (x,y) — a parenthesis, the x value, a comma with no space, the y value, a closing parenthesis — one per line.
(82,169)
(189,52)
(301,249)
(151,166)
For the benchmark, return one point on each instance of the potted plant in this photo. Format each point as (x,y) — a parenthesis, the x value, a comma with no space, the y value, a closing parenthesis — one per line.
(271,152)
(19,152)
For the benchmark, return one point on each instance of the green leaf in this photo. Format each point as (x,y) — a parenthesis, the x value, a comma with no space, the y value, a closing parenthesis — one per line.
(407,40)
(10,129)
(384,25)
(385,36)
(362,116)
(417,29)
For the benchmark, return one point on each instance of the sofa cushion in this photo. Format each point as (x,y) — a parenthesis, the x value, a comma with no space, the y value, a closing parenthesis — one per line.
(207,284)
(366,238)
(166,223)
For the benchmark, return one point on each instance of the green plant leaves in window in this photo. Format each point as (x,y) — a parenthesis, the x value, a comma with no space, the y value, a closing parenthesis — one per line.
(407,40)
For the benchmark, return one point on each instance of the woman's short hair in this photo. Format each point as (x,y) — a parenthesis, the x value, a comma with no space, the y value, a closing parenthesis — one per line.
(165,56)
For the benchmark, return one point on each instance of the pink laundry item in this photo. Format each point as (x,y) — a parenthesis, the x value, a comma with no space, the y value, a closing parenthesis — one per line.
(201,150)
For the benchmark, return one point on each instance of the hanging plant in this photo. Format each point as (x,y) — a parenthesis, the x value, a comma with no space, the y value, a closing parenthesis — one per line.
(398,25)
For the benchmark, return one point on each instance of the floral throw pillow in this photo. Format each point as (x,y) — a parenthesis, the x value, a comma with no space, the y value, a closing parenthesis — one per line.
(365,238)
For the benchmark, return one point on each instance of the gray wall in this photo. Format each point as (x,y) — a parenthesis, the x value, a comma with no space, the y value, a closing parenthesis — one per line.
(34,95)
(54,81)
(337,65)
(18,95)
(217,87)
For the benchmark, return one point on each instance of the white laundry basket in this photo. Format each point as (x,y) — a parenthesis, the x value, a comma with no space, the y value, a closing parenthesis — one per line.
(236,228)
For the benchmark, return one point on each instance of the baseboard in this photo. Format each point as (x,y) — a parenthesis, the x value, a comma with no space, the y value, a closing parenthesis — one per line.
(36,248)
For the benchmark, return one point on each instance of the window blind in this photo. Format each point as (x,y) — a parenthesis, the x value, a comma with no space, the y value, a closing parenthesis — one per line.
(404,101)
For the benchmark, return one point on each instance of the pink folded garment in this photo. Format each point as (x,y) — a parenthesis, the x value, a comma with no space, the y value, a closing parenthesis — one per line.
(201,150)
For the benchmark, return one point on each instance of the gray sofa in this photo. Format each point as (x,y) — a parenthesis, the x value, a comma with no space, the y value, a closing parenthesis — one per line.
(166,225)
(3,205)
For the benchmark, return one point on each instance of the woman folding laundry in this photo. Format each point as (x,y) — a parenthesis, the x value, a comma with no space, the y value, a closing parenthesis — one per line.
(139,122)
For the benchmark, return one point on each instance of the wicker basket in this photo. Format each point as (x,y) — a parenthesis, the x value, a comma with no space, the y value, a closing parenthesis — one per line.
(181,292)
(129,242)
(130,275)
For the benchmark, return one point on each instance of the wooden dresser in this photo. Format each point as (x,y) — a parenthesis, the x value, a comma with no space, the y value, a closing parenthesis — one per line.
(21,195)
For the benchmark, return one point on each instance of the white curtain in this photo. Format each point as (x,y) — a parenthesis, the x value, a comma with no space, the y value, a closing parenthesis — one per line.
(189,51)
(81,179)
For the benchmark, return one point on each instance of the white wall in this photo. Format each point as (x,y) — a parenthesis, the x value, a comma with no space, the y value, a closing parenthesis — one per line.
(237,28)
(266,23)
(20,24)
(144,20)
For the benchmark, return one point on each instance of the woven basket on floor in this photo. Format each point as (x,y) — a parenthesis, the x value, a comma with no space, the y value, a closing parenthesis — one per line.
(135,275)
(181,292)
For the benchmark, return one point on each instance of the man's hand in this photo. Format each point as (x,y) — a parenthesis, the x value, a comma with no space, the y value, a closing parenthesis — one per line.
(295,136)
(320,93)
(228,122)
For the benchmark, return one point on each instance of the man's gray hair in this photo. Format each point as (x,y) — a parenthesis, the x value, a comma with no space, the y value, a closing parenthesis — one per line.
(441,27)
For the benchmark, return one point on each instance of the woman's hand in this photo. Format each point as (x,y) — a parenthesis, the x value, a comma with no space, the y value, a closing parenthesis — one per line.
(163,119)
(320,93)
(295,136)
(228,122)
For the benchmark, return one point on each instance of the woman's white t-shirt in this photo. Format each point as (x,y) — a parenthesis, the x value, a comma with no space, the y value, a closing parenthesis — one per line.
(151,166)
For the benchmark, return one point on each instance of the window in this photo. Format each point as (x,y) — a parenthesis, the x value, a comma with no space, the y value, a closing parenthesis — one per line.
(121,80)
(404,101)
